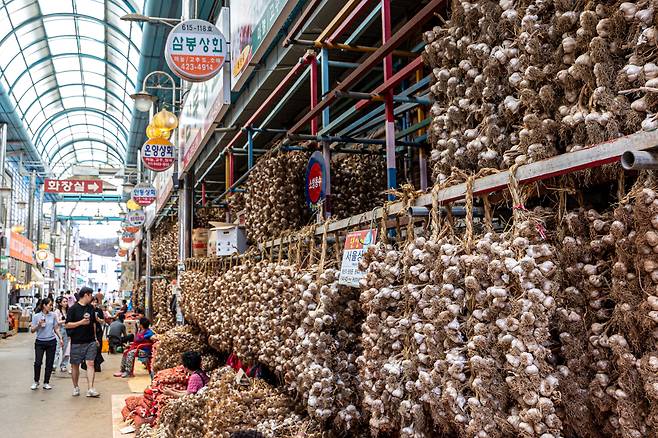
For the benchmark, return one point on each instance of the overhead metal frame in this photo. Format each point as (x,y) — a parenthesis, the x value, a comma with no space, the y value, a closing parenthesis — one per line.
(391,82)
(40,51)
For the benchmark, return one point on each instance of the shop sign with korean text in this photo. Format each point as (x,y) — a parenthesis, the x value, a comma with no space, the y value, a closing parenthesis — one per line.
(144,194)
(21,248)
(136,218)
(72,186)
(205,103)
(254,24)
(158,154)
(316,180)
(356,244)
(195,50)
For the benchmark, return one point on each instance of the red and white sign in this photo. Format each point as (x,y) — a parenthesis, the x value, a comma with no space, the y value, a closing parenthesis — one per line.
(158,154)
(356,244)
(144,194)
(195,50)
(315,180)
(73,186)
(315,183)
(205,103)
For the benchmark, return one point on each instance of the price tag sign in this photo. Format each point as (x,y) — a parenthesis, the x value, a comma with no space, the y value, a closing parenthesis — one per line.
(144,194)
(136,218)
(316,180)
(356,244)
(195,50)
(158,154)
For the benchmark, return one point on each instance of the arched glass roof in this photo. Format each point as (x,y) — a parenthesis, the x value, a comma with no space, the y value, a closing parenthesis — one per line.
(69,67)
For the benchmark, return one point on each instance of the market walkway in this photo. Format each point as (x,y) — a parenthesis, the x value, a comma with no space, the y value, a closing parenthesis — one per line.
(55,413)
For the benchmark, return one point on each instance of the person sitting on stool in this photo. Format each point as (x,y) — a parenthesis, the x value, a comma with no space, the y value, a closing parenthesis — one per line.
(117,335)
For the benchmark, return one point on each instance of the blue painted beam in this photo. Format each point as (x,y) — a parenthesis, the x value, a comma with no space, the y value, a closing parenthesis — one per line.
(89,198)
(90,218)
(358,32)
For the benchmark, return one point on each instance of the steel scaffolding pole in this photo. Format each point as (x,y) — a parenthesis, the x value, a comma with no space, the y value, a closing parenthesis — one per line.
(326,119)
(4,252)
(148,311)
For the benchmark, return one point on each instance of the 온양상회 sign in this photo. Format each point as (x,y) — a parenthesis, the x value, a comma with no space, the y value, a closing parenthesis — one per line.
(356,244)
(195,50)
(158,154)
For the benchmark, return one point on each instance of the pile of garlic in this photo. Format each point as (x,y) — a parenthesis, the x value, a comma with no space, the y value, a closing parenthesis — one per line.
(176,341)
(586,256)
(275,200)
(139,294)
(324,351)
(357,183)
(519,81)
(197,287)
(164,319)
(203,216)
(164,247)
(231,407)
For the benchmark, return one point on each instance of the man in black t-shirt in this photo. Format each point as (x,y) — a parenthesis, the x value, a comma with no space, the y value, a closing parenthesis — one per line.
(81,327)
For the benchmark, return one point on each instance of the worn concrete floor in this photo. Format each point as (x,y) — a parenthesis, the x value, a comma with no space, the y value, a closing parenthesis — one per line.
(55,413)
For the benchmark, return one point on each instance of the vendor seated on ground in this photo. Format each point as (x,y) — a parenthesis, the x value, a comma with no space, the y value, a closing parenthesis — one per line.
(117,335)
(143,342)
(198,378)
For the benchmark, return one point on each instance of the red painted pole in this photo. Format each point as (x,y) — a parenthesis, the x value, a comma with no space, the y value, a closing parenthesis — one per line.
(203,194)
(391,167)
(313,64)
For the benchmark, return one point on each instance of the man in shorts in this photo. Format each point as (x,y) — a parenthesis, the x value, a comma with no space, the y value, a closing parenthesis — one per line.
(80,325)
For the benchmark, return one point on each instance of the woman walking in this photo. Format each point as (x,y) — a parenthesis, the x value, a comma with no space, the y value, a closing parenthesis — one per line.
(45,324)
(63,352)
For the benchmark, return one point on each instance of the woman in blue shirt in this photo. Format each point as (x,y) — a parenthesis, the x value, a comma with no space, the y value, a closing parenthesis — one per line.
(45,324)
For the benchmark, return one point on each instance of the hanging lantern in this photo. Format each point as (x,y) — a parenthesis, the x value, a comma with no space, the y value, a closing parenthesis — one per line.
(132,205)
(165,120)
(153,132)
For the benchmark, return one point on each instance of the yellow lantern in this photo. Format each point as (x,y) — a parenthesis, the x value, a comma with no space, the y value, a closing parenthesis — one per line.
(153,132)
(132,205)
(165,120)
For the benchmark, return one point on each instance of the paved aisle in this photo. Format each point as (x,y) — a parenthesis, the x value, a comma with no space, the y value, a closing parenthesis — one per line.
(55,413)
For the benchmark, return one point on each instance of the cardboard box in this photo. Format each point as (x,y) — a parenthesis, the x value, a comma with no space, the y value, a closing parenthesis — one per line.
(226,239)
